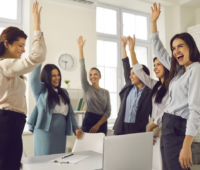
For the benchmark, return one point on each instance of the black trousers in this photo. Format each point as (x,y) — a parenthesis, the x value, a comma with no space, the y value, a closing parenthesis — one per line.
(90,120)
(130,128)
(11,129)
(173,135)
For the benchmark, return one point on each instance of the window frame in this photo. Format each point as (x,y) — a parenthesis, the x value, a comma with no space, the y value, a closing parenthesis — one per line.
(117,38)
(118,19)
(141,14)
(110,120)
(19,15)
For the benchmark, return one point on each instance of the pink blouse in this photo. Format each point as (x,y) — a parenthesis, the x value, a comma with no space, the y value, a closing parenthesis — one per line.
(12,87)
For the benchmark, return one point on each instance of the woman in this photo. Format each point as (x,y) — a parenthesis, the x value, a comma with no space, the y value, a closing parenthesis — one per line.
(13,107)
(53,116)
(182,110)
(159,91)
(97,99)
(135,107)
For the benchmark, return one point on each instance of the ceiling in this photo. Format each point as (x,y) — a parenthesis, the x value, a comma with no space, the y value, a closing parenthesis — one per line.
(171,3)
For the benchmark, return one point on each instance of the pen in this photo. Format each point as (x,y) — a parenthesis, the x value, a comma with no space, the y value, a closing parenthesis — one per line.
(67,156)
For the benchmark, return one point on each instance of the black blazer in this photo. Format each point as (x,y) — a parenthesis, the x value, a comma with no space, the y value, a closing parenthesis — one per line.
(144,104)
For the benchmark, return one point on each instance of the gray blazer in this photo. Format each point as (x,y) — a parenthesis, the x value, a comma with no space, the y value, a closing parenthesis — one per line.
(144,105)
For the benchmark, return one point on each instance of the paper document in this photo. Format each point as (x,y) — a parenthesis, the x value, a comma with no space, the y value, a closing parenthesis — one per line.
(73,159)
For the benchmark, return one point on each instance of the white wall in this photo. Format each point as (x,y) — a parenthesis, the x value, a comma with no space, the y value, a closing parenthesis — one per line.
(62,25)
(197,11)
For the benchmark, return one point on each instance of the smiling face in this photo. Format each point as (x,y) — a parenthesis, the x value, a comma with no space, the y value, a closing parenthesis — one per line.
(181,52)
(16,49)
(159,69)
(134,79)
(94,76)
(55,78)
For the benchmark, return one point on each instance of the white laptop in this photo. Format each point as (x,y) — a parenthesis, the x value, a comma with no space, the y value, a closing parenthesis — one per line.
(128,152)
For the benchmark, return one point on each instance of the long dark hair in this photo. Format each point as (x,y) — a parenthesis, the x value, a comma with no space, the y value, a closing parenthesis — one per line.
(52,95)
(163,90)
(194,54)
(10,34)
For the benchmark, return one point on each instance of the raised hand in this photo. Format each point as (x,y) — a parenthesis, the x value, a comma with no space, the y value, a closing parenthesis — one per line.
(36,16)
(124,42)
(131,43)
(155,12)
(80,42)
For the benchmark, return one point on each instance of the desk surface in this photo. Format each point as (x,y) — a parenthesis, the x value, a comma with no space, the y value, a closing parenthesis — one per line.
(92,162)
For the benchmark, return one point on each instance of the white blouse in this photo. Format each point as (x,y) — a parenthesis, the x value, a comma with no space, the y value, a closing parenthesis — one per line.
(157,108)
(62,108)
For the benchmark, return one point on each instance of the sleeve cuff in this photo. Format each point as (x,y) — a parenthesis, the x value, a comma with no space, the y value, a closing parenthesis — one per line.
(137,66)
(125,59)
(154,35)
(38,33)
(158,121)
(81,61)
(31,128)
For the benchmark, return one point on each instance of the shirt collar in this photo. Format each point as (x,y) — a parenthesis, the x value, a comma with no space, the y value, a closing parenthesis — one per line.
(135,88)
(192,65)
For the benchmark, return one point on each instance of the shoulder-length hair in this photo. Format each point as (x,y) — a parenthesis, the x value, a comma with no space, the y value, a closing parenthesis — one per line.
(163,90)
(11,34)
(52,95)
(194,54)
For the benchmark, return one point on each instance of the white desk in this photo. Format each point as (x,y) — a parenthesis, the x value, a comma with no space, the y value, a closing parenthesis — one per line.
(92,162)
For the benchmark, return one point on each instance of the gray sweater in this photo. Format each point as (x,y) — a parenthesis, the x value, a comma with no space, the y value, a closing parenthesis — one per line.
(96,100)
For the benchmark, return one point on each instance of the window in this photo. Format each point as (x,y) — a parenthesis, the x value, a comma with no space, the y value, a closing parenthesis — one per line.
(135,23)
(11,11)
(107,62)
(107,21)
(111,24)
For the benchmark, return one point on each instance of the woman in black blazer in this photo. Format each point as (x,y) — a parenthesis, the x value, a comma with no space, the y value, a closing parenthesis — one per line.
(143,106)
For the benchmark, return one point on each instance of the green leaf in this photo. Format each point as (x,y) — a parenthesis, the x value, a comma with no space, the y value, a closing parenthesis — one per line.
(67,81)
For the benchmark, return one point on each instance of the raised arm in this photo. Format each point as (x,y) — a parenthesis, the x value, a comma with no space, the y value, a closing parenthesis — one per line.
(137,68)
(159,50)
(19,67)
(84,82)
(36,85)
(125,60)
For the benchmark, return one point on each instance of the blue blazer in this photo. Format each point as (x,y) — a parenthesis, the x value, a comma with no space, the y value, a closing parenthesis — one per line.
(41,118)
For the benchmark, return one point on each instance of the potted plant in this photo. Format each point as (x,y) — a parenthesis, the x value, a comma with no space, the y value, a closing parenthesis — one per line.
(67,83)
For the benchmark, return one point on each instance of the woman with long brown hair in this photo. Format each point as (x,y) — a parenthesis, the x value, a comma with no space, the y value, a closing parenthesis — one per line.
(181,119)
(13,107)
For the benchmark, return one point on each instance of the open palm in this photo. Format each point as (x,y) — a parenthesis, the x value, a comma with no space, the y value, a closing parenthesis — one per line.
(124,42)
(80,42)
(131,43)
(36,16)
(155,12)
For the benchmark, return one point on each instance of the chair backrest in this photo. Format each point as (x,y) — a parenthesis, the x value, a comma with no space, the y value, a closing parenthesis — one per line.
(90,141)
(157,158)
